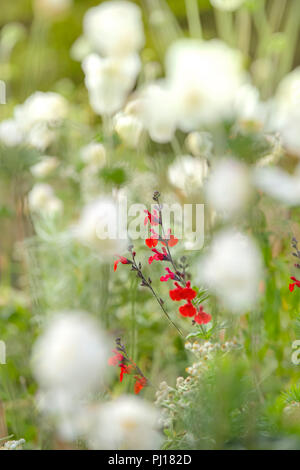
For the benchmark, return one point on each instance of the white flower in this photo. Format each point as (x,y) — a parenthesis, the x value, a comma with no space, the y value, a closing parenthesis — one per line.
(49,108)
(115,28)
(94,154)
(45,167)
(227,5)
(279,184)
(109,81)
(40,136)
(159,112)
(200,144)
(188,173)
(228,188)
(127,423)
(204,77)
(35,120)
(10,133)
(52,7)
(232,269)
(247,105)
(42,199)
(129,128)
(286,114)
(98,227)
(71,355)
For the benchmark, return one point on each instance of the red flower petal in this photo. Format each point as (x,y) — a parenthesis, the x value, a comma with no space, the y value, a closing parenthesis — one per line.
(187,310)
(202,318)
(139,384)
(151,242)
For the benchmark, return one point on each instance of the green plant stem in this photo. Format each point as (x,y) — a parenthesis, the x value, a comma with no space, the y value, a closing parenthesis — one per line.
(193,17)
(292,31)
(225,26)
(146,283)
(243,20)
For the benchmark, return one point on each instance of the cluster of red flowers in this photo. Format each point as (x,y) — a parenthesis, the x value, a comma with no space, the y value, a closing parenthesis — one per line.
(182,290)
(179,293)
(127,366)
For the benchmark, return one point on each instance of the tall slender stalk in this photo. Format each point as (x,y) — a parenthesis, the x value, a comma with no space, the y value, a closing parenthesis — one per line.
(193,17)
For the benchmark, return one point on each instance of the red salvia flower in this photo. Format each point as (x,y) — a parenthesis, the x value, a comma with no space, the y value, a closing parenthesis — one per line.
(171,240)
(202,318)
(151,242)
(182,293)
(124,370)
(114,360)
(139,384)
(296,283)
(168,276)
(187,310)
(158,256)
(122,260)
(152,218)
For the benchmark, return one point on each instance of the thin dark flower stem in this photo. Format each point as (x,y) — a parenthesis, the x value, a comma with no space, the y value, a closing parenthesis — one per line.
(147,283)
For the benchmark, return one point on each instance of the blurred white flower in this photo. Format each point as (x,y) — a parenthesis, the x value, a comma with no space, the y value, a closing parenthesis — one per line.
(227,5)
(42,199)
(247,105)
(129,128)
(228,189)
(71,355)
(188,173)
(66,411)
(50,108)
(98,228)
(232,269)
(10,133)
(193,71)
(279,184)
(40,136)
(159,113)
(94,154)
(286,113)
(35,120)
(115,28)
(109,81)
(200,144)
(126,423)
(52,7)
(45,167)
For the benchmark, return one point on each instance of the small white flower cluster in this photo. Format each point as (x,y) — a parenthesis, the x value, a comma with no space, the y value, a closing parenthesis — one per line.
(35,121)
(207,349)
(206,352)
(174,400)
(42,200)
(13,445)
